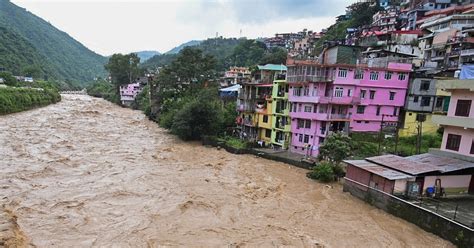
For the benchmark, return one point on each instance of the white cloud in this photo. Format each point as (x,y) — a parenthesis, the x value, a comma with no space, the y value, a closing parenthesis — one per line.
(110,26)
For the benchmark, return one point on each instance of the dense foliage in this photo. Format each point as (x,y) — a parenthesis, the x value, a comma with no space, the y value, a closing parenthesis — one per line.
(49,51)
(323,172)
(103,89)
(123,68)
(14,99)
(228,52)
(336,147)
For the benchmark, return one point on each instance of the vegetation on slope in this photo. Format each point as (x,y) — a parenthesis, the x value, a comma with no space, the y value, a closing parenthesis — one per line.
(14,99)
(66,59)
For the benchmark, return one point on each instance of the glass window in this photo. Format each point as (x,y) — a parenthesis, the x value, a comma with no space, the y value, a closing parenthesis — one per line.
(359,74)
(453,142)
(307,108)
(425,101)
(342,73)
(307,124)
(338,92)
(300,138)
(300,123)
(402,76)
(425,85)
(374,75)
(360,109)
(362,94)
(392,96)
(265,118)
(372,94)
(268,133)
(378,111)
(388,75)
(415,99)
(349,92)
(306,138)
(463,107)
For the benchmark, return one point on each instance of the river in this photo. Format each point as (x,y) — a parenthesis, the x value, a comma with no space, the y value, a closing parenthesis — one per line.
(85,172)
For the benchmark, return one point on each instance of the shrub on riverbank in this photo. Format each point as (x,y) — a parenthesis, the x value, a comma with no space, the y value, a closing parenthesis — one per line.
(103,89)
(20,99)
(323,172)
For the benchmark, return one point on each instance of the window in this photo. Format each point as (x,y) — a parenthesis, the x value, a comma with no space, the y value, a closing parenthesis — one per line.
(439,102)
(342,73)
(415,99)
(372,94)
(472,147)
(362,94)
(425,85)
(323,109)
(307,108)
(307,124)
(315,91)
(359,74)
(463,107)
(265,118)
(338,92)
(294,107)
(268,133)
(388,75)
(395,111)
(374,75)
(306,138)
(297,91)
(349,92)
(402,76)
(360,109)
(299,107)
(425,101)
(300,124)
(453,142)
(392,96)
(300,138)
(306,91)
(359,121)
(315,108)
(378,111)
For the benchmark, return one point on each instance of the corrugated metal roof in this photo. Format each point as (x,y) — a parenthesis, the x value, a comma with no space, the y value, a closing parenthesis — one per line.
(403,165)
(378,170)
(444,164)
(272,67)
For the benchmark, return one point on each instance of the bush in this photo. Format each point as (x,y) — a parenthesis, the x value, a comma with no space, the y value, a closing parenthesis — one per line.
(323,172)
(19,99)
(195,119)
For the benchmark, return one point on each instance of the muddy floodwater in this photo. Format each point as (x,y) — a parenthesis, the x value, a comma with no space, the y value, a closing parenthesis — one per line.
(85,172)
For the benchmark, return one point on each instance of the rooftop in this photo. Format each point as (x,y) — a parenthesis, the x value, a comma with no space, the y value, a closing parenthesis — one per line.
(445,164)
(403,165)
(378,170)
(456,84)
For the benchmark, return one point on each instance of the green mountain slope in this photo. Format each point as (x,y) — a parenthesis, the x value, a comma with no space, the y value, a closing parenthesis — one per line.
(69,59)
(20,57)
(177,49)
(146,55)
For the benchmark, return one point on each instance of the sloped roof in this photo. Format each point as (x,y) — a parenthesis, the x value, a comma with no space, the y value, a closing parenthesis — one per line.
(378,170)
(403,165)
(445,164)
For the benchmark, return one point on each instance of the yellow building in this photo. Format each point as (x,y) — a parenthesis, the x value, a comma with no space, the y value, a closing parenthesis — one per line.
(265,122)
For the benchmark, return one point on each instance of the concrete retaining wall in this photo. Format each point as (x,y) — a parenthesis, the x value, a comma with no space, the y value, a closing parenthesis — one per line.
(458,234)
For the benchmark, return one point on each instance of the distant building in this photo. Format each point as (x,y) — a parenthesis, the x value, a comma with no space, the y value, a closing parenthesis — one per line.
(235,75)
(129,92)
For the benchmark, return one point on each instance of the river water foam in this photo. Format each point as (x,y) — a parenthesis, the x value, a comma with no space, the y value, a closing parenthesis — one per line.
(85,172)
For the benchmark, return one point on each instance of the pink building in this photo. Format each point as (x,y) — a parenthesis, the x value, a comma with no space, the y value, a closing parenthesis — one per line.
(128,93)
(342,98)
(458,136)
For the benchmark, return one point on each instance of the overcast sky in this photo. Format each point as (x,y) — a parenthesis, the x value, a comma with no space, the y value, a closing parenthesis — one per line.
(111,26)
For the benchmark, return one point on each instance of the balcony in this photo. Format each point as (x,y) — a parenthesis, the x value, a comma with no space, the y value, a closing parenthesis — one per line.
(437,58)
(463,122)
(248,122)
(309,115)
(342,117)
(311,99)
(309,78)
(467,52)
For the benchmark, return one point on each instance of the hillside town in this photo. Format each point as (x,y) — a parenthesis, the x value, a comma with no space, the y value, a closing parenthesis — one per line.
(374,111)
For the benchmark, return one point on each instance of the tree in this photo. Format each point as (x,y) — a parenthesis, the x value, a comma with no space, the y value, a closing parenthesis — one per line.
(275,55)
(8,78)
(324,172)
(335,148)
(123,69)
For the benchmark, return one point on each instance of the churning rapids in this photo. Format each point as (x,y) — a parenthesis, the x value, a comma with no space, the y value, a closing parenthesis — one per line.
(85,172)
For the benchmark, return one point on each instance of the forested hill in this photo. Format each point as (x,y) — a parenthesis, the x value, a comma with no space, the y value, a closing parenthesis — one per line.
(228,52)
(54,54)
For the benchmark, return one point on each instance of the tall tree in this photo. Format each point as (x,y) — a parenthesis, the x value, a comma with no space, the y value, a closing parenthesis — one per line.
(123,69)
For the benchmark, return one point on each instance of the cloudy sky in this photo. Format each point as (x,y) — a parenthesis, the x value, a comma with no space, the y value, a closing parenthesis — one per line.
(112,26)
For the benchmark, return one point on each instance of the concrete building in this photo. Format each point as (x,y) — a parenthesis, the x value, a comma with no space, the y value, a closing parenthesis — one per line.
(281,122)
(458,124)
(129,92)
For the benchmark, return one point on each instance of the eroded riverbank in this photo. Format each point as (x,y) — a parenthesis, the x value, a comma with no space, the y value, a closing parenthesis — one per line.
(85,172)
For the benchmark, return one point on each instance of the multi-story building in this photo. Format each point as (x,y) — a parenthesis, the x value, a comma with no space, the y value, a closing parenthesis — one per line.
(458,124)
(336,97)
(281,123)
(129,92)
(422,101)
(235,75)
(255,104)
(386,20)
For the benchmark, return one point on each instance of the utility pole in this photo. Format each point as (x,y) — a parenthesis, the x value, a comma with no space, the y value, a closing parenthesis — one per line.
(380,134)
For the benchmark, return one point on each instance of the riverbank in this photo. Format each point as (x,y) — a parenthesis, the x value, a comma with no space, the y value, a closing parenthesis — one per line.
(89,173)
(16,99)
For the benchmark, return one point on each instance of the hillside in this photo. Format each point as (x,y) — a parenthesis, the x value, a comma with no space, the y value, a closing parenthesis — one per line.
(146,55)
(177,49)
(20,57)
(228,52)
(67,58)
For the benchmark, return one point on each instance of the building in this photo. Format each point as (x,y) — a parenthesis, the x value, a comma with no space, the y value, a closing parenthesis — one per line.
(458,124)
(422,101)
(255,104)
(281,122)
(235,75)
(129,92)
(386,20)
(340,97)
(425,174)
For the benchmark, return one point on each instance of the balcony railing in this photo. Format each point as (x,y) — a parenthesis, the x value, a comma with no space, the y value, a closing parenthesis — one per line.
(309,78)
(467,52)
(338,116)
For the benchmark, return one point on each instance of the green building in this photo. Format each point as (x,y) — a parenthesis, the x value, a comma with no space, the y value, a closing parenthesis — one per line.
(281,122)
